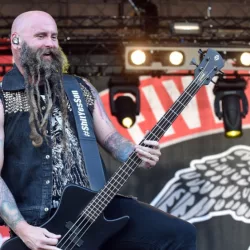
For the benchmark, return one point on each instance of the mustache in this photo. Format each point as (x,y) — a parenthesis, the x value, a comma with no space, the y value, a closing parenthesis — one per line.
(54,52)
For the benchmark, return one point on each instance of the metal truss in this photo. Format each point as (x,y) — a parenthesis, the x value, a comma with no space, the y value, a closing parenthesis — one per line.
(115,21)
(215,30)
(94,32)
(107,29)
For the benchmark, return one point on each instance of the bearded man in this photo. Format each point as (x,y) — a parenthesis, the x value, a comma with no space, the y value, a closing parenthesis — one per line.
(40,152)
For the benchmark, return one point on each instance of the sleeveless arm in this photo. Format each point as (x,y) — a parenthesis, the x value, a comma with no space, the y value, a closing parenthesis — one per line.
(106,134)
(8,208)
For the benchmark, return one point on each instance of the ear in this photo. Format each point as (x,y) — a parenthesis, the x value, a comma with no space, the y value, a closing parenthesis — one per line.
(15,40)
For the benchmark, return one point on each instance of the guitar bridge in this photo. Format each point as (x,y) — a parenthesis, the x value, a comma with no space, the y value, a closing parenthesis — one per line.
(74,234)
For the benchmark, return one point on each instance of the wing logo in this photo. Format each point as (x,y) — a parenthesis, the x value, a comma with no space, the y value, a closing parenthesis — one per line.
(214,185)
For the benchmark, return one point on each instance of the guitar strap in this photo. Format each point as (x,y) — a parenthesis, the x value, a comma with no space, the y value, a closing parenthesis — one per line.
(85,130)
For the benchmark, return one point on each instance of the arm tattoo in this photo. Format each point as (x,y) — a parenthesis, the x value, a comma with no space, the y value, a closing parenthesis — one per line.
(120,147)
(100,105)
(8,208)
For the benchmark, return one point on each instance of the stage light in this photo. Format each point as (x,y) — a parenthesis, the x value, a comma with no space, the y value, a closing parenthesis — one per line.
(127,122)
(138,57)
(176,58)
(125,111)
(245,58)
(124,100)
(186,28)
(231,105)
(232,116)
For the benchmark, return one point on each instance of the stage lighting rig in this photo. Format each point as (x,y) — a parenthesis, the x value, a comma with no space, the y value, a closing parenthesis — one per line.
(231,104)
(145,58)
(124,100)
(152,57)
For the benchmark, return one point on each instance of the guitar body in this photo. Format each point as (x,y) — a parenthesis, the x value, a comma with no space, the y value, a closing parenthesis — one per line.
(74,200)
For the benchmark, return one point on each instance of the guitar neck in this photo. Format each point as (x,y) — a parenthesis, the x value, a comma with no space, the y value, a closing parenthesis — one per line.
(102,199)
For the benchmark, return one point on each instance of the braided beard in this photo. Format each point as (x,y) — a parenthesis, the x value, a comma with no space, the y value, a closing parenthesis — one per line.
(43,74)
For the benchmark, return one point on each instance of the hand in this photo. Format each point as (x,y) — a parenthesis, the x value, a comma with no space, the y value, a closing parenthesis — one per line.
(149,156)
(36,238)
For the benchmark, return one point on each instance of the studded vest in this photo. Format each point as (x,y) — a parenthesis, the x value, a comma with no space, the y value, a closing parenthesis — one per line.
(27,170)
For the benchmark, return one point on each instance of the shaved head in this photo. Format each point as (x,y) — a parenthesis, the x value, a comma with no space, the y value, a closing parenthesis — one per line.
(29,20)
(36,28)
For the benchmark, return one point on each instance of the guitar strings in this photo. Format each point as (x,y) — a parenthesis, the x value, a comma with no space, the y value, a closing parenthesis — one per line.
(153,134)
(132,161)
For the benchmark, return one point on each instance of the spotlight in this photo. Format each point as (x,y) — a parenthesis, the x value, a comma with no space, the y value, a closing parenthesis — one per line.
(230,94)
(138,57)
(245,58)
(124,100)
(176,58)
(126,111)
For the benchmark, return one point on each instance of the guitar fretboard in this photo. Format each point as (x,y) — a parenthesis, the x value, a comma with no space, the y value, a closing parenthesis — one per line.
(103,198)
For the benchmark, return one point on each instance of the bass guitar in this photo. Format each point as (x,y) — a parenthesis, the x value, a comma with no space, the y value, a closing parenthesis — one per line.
(81,221)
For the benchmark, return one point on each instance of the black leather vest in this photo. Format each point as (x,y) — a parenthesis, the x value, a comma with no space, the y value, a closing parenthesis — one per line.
(27,170)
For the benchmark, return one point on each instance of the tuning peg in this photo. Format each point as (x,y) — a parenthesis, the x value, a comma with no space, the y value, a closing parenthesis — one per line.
(200,51)
(193,62)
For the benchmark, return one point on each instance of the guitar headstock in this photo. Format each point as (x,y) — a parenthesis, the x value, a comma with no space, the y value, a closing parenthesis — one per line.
(211,64)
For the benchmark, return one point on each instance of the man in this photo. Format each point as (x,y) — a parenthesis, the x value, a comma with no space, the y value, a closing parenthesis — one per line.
(41,151)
